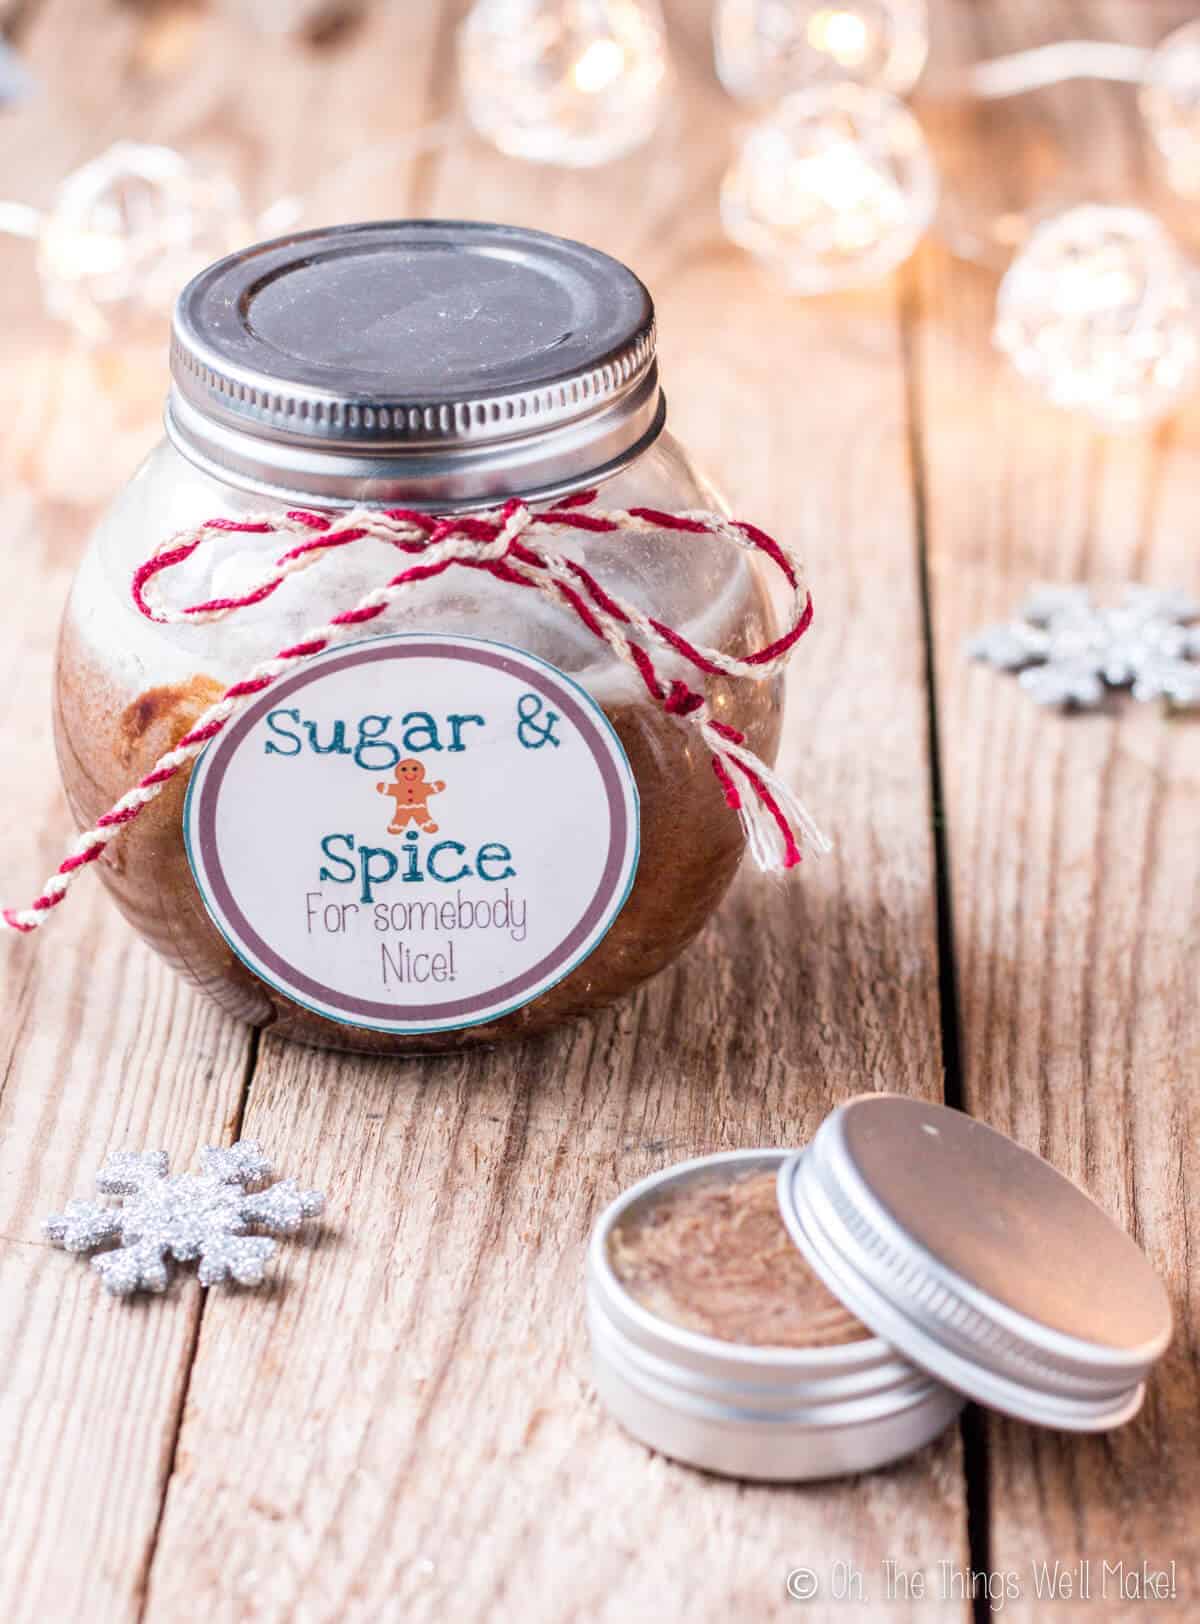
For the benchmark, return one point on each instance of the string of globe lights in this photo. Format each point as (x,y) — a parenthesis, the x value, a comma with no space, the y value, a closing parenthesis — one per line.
(833,184)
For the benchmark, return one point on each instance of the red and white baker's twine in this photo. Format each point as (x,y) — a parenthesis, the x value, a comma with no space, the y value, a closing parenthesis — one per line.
(502,544)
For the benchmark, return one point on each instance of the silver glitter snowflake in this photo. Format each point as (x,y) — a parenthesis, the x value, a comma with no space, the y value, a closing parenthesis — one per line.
(1069,650)
(205,1215)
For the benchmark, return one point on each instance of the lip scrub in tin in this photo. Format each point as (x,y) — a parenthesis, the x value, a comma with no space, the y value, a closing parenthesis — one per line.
(785,1315)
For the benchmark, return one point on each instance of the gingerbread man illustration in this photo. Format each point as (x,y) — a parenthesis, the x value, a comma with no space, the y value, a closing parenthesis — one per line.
(411,792)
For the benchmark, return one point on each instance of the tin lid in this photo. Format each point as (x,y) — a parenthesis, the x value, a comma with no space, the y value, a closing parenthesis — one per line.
(434,363)
(978,1261)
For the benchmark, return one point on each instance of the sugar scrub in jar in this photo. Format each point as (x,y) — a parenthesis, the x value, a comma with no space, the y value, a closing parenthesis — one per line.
(468,810)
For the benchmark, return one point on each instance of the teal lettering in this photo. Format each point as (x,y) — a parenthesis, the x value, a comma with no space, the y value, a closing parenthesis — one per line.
(366,740)
(431,862)
(372,876)
(420,726)
(344,862)
(494,852)
(336,746)
(293,738)
(457,723)
(373,752)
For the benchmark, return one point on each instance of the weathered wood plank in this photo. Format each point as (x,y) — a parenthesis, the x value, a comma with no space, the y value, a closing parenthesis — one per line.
(100,1047)
(1075,876)
(407,1430)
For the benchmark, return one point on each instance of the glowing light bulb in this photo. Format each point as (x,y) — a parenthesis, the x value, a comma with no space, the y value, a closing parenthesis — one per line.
(128,230)
(842,36)
(574,82)
(835,187)
(1170,105)
(600,66)
(1097,313)
(764,48)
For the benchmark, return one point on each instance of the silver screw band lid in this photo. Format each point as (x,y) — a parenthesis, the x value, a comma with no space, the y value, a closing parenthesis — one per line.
(978,1261)
(427,363)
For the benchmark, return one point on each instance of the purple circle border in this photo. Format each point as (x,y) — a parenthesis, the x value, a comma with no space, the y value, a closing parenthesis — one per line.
(498,1000)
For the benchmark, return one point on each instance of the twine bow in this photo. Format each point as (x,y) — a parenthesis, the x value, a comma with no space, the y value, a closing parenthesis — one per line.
(508,544)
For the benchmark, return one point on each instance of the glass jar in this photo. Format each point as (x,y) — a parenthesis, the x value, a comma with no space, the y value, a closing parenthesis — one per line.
(442,368)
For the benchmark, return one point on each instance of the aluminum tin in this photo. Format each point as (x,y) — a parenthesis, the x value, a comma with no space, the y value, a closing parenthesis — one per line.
(439,364)
(764,1413)
(977,1260)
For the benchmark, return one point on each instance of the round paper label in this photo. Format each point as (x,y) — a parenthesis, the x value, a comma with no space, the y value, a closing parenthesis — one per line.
(415,833)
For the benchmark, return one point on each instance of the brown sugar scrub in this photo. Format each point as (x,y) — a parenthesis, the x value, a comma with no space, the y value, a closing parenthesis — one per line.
(715,1257)
(714,1344)
(127,690)
(336,408)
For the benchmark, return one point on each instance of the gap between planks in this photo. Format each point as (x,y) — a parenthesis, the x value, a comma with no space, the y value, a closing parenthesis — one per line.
(972,1428)
(142,1590)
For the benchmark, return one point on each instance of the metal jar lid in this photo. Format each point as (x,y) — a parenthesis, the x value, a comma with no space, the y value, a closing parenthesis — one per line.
(442,364)
(978,1261)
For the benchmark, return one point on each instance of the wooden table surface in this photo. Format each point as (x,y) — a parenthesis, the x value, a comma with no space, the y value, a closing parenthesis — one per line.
(402,1427)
